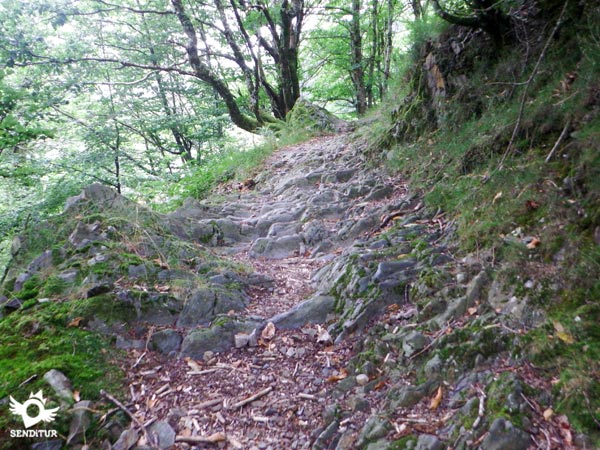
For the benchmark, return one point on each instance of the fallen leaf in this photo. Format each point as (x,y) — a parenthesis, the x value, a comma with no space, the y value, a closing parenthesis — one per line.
(217,437)
(380,385)
(193,364)
(75,322)
(268,332)
(548,413)
(393,307)
(535,242)
(497,197)
(558,326)
(565,337)
(343,373)
(436,400)
(565,429)
(472,310)
(532,205)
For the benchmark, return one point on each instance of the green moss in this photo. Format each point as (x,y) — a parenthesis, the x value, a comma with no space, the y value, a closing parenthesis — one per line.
(403,443)
(31,288)
(35,341)
(54,286)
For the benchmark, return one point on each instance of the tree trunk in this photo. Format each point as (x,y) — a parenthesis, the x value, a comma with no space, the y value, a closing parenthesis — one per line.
(356,60)
(202,72)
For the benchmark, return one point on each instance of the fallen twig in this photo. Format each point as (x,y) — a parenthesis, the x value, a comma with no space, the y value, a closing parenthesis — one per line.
(149,438)
(31,378)
(251,398)
(481,410)
(558,141)
(212,439)
(139,360)
(209,403)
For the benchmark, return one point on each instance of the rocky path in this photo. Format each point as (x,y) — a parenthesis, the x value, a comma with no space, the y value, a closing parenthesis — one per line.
(343,322)
(315,208)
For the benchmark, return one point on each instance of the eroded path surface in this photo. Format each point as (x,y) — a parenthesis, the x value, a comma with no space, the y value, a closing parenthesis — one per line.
(344,323)
(312,229)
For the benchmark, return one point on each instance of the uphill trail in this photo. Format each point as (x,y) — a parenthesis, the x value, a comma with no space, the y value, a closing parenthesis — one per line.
(316,207)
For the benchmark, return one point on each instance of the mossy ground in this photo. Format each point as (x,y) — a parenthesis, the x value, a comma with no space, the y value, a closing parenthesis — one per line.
(39,339)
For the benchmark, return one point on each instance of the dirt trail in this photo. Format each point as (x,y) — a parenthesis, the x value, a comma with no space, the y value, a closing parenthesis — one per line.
(323,183)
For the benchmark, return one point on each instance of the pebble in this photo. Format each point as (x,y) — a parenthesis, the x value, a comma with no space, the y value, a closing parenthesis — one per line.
(362,379)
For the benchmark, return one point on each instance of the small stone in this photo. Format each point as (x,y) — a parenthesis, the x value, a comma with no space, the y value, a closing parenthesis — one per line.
(127,440)
(55,444)
(429,442)
(362,379)
(82,418)
(503,435)
(60,384)
(241,340)
(164,433)
(208,355)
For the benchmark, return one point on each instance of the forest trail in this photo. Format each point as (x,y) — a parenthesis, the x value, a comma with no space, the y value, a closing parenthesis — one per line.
(314,208)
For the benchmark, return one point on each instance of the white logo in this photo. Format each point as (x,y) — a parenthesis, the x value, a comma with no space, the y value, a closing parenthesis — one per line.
(38,400)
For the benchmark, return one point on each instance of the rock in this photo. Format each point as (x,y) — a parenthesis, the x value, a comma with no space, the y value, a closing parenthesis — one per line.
(381,444)
(44,261)
(378,193)
(69,276)
(374,429)
(60,384)
(308,116)
(392,269)
(99,289)
(414,342)
(166,341)
(15,246)
(503,435)
(408,396)
(314,310)
(127,440)
(346,441)
(476,286)
(276,248)
(218,338)
(164,433)
(362,379)
(283,229)
(21,279)
(325,435)
(433,366)
(358,403)
(55,444)
(241,340)
(205,304)
(429,442)
(82,418)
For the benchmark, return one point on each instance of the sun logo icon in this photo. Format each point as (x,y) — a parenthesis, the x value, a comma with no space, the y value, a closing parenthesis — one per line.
(38,400)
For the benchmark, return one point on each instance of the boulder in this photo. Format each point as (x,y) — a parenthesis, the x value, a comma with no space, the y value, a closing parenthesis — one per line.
(166,341)
(218,338)
(503,435)
(314,310)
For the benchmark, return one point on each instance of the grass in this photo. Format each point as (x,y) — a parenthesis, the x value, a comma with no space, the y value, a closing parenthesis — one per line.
(456,168)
